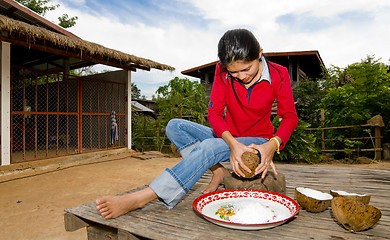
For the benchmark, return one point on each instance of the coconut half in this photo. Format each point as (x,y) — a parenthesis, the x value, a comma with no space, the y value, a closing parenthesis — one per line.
(312,200)
(354,215)
(359,197)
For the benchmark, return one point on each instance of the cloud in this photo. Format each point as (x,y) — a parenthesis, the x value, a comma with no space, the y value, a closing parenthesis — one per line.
(185,33)
(310,23)
(156,13)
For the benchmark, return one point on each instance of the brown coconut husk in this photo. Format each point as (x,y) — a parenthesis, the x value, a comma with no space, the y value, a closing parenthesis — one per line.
(311,204)
(271,182)
(354,215)
(251,160)
(361,198)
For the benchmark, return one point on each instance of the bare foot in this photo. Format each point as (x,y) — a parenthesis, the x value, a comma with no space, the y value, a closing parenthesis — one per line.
(219,172)
(115,206)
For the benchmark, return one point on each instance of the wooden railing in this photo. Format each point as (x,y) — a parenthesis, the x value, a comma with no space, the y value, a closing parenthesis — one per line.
(375,140)
(156,140)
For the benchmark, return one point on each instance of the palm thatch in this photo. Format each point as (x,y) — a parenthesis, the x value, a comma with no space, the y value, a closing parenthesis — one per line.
(33,34)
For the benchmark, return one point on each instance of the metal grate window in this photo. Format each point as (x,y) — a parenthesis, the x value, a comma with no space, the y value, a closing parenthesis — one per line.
(57,114)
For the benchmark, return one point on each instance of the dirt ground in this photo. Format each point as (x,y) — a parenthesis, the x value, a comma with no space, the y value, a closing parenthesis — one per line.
(33,199)
(33,196)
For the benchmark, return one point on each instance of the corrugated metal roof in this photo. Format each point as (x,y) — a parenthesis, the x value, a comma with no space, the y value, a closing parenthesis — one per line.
(139,107)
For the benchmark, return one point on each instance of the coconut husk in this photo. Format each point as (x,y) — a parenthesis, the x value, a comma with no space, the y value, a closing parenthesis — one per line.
(271,182)
(361,198)
(311,204)
(376,121)
(251,160)
(364,160)
(354,215)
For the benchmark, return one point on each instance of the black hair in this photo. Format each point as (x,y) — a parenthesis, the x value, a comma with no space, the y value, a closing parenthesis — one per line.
(238,44)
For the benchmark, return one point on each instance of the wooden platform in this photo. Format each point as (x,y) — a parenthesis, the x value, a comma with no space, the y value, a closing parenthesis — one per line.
(155,221)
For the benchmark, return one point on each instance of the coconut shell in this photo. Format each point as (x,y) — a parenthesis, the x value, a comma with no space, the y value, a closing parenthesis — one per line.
(311,204)
(354,215)
(250,160)
(271,182)
(362,198)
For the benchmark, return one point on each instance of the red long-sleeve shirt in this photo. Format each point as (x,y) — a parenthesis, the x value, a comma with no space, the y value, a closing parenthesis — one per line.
(249,115)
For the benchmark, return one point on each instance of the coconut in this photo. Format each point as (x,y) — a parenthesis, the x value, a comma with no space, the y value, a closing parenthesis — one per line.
(250,160)
(359,197)
(271,182)
(312,200)
(354,215)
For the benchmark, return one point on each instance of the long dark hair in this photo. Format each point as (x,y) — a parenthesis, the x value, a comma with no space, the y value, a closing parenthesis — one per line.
(238,44)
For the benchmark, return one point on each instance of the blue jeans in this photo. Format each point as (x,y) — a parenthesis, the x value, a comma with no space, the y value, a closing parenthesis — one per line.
(200,149)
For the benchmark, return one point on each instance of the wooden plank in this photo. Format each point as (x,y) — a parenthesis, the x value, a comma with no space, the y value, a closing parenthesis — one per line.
(154,221)
(73,223)
(125,235)
(339,127)
(101,232)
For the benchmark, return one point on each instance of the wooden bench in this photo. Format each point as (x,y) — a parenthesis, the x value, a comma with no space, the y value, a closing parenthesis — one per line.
(154,221)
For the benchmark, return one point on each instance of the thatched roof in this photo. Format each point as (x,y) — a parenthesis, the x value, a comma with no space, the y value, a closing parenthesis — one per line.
(21,33)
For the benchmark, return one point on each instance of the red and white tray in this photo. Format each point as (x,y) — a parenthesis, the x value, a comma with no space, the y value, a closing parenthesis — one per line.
(223,208)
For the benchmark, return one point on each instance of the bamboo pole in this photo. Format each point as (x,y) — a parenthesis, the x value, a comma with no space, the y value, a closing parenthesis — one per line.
(378,143)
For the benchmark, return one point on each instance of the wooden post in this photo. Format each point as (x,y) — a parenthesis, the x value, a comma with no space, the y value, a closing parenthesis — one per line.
(157,134)
(125,235)
(5,106)
(73,223)
(143,134)
(378,143)
(128,110)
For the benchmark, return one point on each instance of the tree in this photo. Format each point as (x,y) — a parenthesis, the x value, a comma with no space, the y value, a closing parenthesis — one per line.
(42,6)
(135,91)
(67,22)
(359,92)
(364,94)
(84,71)
(181,97)
(308,95)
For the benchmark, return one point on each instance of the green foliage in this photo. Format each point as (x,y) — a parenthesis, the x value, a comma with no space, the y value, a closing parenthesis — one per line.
(181,98)
(84,71)
(368,131)
(135,91)
(42,6)
(308,95)
(349,96)
(144,132)
(357,93)
(351,148)
(301,145)
(38,6)
(67,22)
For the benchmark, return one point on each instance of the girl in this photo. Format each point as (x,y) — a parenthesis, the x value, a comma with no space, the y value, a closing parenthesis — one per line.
(239,111)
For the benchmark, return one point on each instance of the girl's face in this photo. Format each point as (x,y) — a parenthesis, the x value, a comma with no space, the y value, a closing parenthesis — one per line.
(245,71)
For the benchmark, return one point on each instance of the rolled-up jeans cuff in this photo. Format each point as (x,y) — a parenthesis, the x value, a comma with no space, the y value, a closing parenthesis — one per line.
(168,188)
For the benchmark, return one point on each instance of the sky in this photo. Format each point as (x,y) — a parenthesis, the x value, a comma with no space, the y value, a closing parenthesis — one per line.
(184,33)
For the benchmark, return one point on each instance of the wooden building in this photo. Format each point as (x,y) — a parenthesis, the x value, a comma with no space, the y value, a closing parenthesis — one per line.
(301,65)
(47,112)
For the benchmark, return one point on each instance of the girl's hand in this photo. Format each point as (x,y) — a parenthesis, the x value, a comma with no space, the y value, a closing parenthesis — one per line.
(236,151)
(267,151)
